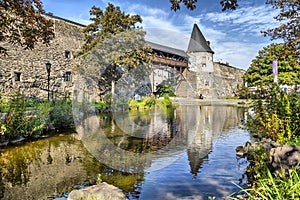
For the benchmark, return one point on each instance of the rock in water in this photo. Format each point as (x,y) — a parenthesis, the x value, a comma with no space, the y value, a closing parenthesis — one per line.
(103,191)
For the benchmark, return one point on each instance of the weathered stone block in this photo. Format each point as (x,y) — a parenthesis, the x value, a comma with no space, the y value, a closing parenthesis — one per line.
(103,191)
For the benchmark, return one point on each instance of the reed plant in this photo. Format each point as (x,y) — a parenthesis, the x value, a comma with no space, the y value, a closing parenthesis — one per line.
(276,186)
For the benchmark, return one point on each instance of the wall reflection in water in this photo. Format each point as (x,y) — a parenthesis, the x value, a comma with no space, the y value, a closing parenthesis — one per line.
(128,144)
(133,141)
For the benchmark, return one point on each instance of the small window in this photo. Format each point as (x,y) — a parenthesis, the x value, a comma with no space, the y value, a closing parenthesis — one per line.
(203,58)
(68,76)
(206,83)
(203,65)
(17,76)
(67,54)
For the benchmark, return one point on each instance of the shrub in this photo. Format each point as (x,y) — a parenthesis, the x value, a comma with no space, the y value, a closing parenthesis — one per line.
(149,101)
(276,117)
(61,115)
(146,102)
(166,90)
(243,92)
(102,105)
(133,104)
(166,101)
(17,121)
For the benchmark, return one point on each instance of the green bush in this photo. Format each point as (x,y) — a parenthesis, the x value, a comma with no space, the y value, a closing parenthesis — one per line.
(149,101)
(28,118)
(166,101)
(61,115)
(133,104)
(165,90)
(18,122)
(145,103)
(277,116)
(101,105)
(243,92)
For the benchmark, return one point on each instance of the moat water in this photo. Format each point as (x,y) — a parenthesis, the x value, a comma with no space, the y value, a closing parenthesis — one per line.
(183,153)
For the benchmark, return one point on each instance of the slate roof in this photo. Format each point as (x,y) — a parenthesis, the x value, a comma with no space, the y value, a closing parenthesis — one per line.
(198,42)
(166,49)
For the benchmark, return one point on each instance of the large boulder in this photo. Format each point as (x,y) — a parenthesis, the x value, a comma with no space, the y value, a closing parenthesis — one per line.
(243,151)
(285,157)
(103,191)
(280,157)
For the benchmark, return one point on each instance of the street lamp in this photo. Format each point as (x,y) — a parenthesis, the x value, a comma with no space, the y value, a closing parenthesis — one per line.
(48,67)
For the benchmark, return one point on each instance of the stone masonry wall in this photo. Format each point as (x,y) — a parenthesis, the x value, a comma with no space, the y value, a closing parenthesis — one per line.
(227,79)
(224,81)
(29,65)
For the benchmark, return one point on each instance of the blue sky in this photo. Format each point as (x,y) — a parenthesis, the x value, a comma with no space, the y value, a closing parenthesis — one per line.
(234,35)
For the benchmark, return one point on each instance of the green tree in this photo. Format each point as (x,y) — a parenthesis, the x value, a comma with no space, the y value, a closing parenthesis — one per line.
(289,17)
(118,42)
(22,23)
(260,71)
(106,23)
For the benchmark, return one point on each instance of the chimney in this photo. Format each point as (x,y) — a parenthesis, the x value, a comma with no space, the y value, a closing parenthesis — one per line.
(208,43)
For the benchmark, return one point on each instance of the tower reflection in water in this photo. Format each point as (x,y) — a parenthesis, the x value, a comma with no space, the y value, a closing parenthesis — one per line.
(148,142)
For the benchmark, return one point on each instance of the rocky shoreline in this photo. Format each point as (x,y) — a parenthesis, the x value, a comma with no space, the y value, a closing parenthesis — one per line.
(280,157)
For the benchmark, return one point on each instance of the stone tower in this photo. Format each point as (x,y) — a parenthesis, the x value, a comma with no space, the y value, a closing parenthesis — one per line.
(201,64)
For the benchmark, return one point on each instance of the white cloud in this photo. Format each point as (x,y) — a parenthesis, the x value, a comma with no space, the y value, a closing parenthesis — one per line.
(167,37)
(237,54)
(246,19)
(234,36)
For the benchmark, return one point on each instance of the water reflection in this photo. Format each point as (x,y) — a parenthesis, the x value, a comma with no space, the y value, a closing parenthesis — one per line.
(190,146)
(202,125)
(133,141)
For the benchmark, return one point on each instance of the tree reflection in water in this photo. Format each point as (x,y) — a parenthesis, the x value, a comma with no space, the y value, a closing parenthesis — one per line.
(132,146)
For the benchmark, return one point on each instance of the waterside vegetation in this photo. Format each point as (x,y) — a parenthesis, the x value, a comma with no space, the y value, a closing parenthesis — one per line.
(27,118)
(273,118)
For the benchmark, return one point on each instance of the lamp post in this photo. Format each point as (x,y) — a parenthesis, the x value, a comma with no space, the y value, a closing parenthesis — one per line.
(48,68)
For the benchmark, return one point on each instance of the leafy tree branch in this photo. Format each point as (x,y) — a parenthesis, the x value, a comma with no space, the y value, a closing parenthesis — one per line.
(22,23)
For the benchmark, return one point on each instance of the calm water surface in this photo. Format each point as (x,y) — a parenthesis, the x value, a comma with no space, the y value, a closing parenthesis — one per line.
(182,153)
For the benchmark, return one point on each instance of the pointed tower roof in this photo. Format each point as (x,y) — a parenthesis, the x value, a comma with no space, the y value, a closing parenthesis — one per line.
(198,42)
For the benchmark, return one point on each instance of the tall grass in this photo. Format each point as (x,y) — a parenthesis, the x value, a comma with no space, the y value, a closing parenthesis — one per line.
(276,187)
(24,117)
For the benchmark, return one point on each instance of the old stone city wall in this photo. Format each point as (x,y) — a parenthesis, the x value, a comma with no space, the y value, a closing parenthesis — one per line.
(227,79)
(24,71)
(223,81)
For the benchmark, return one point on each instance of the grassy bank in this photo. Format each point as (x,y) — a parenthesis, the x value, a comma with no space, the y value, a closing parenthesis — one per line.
(28,118)
(275,118)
